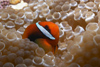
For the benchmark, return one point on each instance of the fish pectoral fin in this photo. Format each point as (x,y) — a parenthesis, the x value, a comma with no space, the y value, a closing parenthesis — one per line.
(55,49)
(44,44)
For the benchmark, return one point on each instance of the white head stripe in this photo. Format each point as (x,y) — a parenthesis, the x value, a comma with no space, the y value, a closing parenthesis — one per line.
(44,31)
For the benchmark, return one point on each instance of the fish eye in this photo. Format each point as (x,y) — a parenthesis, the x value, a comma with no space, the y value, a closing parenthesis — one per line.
(47,28)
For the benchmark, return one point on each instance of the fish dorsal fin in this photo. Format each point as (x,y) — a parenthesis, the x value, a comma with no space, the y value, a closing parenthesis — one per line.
(44,31)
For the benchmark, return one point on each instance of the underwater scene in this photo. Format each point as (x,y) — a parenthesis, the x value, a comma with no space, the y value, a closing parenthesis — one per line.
(49,33)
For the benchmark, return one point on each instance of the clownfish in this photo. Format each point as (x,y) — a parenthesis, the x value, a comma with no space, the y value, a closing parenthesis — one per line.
(45,34)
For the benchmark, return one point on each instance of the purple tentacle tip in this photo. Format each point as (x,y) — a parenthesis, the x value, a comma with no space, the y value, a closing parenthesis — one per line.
(4,4)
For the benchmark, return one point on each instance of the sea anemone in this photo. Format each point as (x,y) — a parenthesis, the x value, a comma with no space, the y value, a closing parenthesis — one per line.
(79,28)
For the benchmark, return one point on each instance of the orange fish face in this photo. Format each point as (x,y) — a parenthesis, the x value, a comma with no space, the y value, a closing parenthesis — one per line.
(48,31)
(52,28)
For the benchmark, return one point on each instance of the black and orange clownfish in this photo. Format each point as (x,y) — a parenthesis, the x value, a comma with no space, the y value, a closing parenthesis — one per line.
(45,34)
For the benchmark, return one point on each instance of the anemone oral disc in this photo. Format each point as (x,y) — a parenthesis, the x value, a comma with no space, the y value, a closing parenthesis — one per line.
(44,31)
